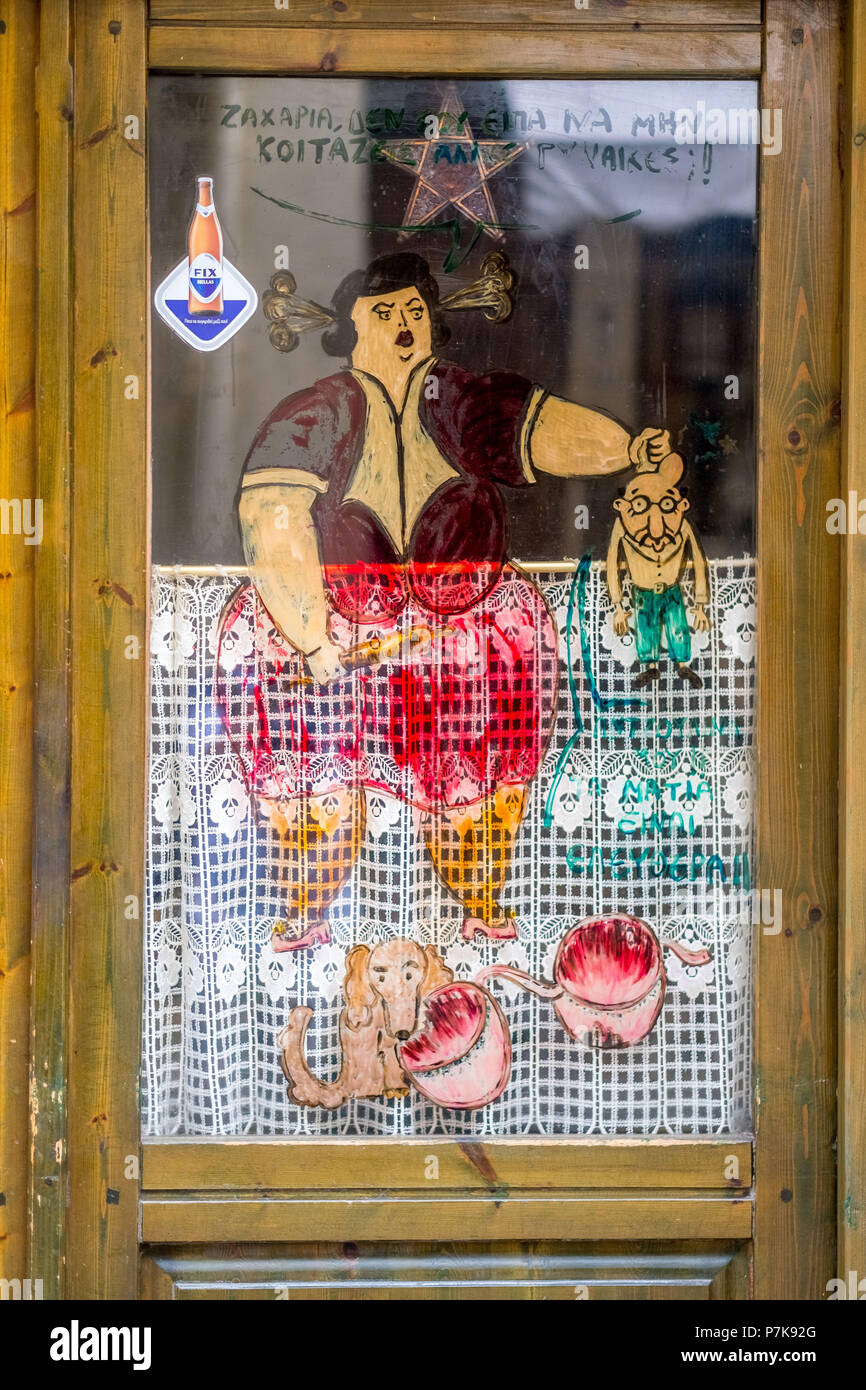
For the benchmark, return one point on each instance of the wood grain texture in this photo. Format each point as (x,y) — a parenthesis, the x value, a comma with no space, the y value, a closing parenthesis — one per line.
(504,1165)
(798,617)
(532,1270)
(851,1251)
(17,569)
(109,604)
(506,51)
(483,14)
(52,732)
(356,1214)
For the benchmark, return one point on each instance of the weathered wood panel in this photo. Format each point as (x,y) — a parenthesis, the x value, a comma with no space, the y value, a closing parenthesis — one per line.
(798,616)
(484,14)
(504,1165)
(533,1271)
(851,1253)
(52,733)
(17,568)
(482,1215)
(505,51)
(109,607)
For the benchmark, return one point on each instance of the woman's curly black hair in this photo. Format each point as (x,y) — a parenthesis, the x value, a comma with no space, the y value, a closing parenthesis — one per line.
(384,275)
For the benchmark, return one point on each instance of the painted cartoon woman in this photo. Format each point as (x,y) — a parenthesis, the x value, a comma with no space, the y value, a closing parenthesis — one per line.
(387,648)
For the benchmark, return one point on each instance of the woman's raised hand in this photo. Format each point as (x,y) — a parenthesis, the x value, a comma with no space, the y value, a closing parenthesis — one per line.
(648,448)
(325,663)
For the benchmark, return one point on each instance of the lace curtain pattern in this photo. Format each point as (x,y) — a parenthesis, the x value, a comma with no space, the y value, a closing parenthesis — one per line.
(643,805)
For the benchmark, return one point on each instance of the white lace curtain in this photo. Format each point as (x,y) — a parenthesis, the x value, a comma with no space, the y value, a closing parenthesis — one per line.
(651,814)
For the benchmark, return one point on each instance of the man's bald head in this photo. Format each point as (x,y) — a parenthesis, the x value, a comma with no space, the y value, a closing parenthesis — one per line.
(652,507)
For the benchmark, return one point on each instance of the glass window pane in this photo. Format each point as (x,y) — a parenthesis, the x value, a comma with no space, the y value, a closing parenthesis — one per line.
(453,606)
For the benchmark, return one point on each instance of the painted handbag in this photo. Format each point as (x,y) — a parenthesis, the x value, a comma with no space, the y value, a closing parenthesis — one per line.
(610,979)
(460,1057)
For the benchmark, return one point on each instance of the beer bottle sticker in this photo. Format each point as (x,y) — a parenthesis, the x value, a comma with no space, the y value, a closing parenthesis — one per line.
(205,299)
(205,277)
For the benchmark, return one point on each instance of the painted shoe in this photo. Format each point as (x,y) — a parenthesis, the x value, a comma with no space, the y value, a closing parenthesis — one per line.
(503,930)
(649,673)
(686,673)
(283,940)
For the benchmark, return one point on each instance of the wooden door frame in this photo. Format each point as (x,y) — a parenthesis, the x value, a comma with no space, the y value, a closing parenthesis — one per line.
(90,1143)
(851,1198)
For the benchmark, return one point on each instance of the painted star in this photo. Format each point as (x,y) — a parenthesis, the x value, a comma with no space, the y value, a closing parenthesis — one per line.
(728,445)
(453,170)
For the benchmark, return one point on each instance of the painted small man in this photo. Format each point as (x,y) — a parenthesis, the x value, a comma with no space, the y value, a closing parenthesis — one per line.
(655,539)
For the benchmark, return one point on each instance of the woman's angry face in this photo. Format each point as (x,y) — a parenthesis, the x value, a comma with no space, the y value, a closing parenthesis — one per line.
(394,331)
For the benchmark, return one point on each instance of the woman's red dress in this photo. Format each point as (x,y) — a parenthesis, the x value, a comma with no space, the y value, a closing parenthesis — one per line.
(463,698)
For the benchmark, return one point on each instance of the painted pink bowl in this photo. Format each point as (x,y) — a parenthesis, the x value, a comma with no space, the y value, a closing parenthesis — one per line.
(610,980)
(612,976)
(461,1055)
(613,961)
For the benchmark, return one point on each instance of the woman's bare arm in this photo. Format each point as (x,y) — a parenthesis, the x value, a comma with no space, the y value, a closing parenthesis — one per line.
(570,440)
(282,551)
